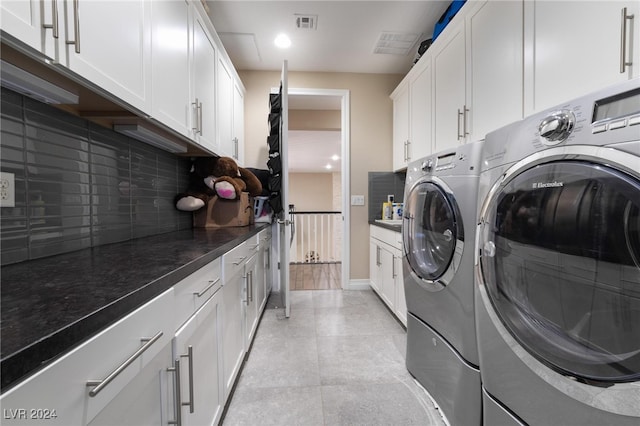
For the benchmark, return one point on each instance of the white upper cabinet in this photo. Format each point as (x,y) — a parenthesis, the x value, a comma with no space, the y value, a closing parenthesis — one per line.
(450,107)
(109,44)
(578,48)
(204,94)
(400,98)
(171,98)
(412,116)
(495,72)
(39,24)
(230,112)
(238,122)
(225,109)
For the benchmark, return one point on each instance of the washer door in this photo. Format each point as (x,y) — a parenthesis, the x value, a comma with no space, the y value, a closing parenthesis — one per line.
(560,259)
(432,233)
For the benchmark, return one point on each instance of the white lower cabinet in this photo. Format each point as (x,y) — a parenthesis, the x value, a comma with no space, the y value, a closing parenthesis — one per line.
(116,377)
(385,267)
(197,352)
(172,361)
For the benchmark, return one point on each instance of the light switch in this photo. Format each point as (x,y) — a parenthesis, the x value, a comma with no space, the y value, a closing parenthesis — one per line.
(357,200)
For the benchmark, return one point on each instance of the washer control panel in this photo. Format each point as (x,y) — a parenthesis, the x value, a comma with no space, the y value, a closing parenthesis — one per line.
(557,126)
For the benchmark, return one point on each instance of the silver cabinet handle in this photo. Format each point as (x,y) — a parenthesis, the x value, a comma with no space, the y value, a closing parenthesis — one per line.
(623,40)
(101,384)
(393,266)
(460,113)
(189,355)
(239,261)
(235,148)
(211,284)
(408,151)
(54,19)
(76,27)
(178,406)
(251,285)
(465,111)
(198,107)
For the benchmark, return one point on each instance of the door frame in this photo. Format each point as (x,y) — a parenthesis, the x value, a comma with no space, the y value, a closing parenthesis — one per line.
(345,139)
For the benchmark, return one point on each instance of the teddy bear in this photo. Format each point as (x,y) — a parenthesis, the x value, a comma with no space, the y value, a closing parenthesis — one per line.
(211,176)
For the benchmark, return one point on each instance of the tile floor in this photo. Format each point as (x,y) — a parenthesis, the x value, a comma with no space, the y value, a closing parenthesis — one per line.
(338,360)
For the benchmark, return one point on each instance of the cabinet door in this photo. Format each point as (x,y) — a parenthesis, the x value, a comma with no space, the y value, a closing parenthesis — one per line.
(238,124)
(449,90)
(401,302)
(421,112)
(198,347)
(171,102)
(36,23)
(203,98)
(577,48)
(233,329)
(64,386)
(387,279)
(495,78)
(250,300)
(112,46)
(145,400)
(400,127)
(225,109)
(374,265)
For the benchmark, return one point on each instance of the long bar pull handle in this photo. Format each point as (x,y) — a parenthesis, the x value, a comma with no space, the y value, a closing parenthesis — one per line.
(408,151)
(189,355)
(76,27)
(251,285)
(176,369)
(211,284)
(200,118)
(54,19)
(623,40)
(465,111)
(195,128)
(393,266)
(101,384)
(460,113)
(239,261)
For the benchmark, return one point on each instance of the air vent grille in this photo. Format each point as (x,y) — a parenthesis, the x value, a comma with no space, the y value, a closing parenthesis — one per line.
(306,22)
(390,43)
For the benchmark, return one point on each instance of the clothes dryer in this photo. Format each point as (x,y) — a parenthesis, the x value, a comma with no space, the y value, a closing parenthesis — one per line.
(438,237)
(558,264)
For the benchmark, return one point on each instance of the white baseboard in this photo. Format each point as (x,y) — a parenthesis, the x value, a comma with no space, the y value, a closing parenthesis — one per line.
(363,284)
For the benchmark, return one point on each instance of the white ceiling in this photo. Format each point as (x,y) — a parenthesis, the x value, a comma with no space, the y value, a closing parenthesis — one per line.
(344,41)
(311,151)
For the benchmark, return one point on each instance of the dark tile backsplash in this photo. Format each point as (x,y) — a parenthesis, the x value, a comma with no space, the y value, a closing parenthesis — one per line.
(382,184)
(79,185)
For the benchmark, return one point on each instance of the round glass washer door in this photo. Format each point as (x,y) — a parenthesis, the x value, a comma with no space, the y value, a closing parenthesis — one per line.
(560,260)
(432,233)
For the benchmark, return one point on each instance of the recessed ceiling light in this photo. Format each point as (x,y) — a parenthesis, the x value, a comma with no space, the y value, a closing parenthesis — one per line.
(282,41)
(328,166)
(335,157)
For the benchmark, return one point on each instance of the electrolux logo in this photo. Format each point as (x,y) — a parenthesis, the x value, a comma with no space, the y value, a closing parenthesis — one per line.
(554,184)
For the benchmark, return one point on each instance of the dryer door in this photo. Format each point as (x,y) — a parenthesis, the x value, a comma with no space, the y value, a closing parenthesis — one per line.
(432,233)
(560,259)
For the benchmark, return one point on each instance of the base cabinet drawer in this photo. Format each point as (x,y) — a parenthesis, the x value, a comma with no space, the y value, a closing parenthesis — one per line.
(81,387)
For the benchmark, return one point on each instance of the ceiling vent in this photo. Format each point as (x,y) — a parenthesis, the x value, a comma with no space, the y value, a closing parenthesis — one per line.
(395,43)
(306,22)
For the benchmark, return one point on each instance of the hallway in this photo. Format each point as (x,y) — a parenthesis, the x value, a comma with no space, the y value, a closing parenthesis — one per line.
(338,360)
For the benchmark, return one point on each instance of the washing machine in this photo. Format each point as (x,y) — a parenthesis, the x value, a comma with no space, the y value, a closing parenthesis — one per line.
(438,229)
(558,264)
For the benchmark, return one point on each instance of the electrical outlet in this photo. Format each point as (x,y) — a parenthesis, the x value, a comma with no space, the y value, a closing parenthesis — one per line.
(7,190)
(357,200)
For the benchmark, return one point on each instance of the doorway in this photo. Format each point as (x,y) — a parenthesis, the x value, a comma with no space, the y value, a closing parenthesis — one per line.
(310,100)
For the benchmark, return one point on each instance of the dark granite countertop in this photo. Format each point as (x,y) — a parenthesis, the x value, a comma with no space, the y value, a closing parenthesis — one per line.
(51,305)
